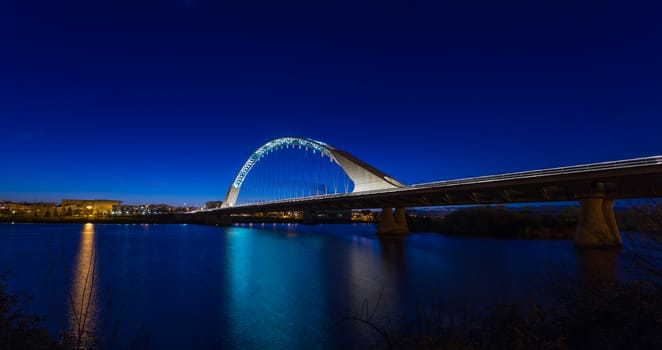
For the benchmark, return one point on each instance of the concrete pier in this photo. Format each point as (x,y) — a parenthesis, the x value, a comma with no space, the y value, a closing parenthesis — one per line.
(390,225)
(597,227)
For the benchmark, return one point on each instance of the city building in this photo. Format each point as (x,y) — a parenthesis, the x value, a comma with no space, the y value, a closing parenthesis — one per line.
(90,206)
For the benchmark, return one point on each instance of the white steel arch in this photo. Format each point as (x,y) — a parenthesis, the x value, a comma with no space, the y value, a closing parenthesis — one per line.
(364,176)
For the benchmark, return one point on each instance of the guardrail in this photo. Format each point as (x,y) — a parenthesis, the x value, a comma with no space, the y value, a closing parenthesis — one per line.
(574,169)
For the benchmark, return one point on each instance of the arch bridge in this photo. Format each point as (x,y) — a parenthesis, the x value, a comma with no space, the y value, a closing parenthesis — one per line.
(364,176)
(595,186)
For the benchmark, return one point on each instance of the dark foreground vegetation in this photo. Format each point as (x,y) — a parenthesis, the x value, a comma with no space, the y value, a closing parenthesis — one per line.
(18,329)
(605,315)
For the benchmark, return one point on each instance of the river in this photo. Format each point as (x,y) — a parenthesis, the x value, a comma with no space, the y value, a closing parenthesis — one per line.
(271,286)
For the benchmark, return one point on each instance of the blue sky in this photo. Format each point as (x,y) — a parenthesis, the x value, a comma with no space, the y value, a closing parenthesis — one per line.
(163,101)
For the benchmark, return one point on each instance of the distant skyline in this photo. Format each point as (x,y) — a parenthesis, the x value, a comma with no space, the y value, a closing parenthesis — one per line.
(163,101)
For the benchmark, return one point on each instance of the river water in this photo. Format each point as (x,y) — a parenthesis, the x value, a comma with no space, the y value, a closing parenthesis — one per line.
(271,286)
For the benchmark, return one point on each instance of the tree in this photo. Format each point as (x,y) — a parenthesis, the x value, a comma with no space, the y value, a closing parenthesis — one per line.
(569,214)
(18,329)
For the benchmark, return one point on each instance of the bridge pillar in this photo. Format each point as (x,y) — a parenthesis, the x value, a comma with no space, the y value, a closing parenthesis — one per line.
(597,227)
(610,219)
(401,219)
(390,225)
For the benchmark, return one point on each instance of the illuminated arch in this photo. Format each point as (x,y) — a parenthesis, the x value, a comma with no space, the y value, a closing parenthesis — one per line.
(364,176)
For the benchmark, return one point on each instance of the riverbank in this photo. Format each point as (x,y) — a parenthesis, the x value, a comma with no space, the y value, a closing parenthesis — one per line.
(499,222)
(475,222)
(136,219)
(484,221)
(196,218)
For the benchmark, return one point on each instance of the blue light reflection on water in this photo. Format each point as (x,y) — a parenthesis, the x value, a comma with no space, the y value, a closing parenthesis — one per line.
(271,286)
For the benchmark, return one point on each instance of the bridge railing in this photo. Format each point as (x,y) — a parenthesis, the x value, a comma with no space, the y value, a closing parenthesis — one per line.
(574,169)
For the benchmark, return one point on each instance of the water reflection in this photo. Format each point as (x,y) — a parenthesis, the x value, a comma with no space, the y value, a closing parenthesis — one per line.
(393,253)
(194,286)
(598,265)
(83,303)
(265,289)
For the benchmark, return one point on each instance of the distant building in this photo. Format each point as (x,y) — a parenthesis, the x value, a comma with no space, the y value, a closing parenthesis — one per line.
(91,206)
(365,215)
(23,209)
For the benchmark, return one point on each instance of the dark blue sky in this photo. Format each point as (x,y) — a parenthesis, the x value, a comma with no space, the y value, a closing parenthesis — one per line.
(163,101)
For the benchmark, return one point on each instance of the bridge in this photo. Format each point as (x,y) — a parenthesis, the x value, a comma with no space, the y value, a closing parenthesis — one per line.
(596,187)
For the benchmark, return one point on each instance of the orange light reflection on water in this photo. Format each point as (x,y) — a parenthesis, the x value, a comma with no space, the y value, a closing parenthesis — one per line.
(83,301)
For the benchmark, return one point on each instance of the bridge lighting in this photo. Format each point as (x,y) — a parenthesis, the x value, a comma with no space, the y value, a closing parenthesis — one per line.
(368,180)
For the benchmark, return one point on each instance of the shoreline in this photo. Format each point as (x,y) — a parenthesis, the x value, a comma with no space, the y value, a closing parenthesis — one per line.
(172,219)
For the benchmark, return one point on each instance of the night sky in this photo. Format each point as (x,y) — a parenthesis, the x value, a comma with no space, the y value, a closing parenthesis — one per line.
(163,101)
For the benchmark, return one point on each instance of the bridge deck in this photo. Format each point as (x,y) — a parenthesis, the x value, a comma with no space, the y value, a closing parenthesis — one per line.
(631,178)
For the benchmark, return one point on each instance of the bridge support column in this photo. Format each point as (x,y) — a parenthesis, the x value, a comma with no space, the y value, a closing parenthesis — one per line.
(390,225)
(597,227)
(401,219)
